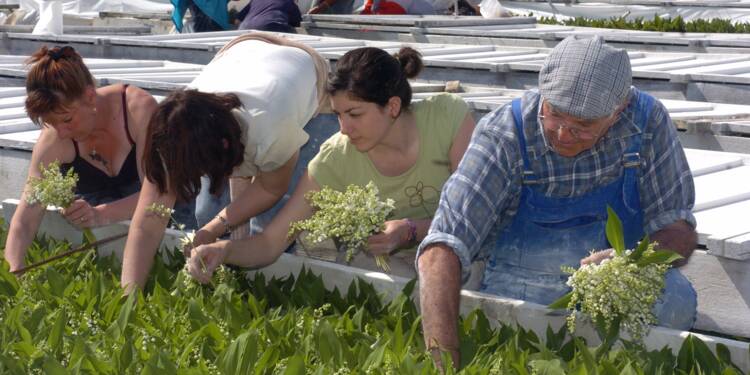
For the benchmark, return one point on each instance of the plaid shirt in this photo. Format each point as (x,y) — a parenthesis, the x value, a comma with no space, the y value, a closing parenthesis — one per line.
(482,196)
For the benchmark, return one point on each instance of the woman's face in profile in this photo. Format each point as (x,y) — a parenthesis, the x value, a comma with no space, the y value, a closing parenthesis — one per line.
(365,123)
(75,121)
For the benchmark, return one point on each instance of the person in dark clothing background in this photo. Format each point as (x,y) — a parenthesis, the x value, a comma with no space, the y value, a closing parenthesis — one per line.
(270,15)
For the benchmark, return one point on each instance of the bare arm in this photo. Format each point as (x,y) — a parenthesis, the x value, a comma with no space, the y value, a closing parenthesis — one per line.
(23,227)
(679,237)
(439,297)
(259,250)
(144,236)
(27,218)
(250,199)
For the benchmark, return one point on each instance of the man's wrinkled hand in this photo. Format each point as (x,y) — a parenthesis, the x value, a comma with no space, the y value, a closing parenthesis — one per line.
(597,257)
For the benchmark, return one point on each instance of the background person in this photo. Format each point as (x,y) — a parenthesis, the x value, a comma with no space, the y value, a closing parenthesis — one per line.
(533,188)
(270,15)
(99,132)
(408,151)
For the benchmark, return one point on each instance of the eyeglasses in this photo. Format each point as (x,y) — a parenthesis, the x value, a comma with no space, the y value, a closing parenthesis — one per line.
(556,123)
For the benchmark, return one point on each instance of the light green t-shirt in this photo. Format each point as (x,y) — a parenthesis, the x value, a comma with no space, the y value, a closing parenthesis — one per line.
(416,192)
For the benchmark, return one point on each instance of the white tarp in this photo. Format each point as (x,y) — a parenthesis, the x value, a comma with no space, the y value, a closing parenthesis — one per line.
(606,10)
(91,8)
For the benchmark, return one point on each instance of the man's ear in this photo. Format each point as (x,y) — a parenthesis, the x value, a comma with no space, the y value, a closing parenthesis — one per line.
(225,142)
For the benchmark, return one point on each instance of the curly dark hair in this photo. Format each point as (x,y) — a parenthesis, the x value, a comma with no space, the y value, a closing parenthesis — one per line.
(372,75)
(190,135)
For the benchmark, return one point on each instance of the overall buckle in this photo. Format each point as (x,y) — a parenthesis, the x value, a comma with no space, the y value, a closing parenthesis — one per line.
(631,160)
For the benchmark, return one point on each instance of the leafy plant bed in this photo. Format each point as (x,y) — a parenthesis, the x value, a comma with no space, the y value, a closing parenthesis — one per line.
(678,24)
(71,317)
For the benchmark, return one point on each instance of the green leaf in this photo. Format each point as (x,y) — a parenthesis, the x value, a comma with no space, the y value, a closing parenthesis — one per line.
(295,365)
(547,367)
(8,282)
(88,236)
(628,369)
(55,336)
(117,329)
(584,354)
(562,302)
(56,282)
(52,367)
(241,355)
(614,232)
(609,335)
(642,247)
(659,257)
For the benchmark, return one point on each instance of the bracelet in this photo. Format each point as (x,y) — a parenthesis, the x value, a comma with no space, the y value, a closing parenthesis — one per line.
(412,238)
(224,221)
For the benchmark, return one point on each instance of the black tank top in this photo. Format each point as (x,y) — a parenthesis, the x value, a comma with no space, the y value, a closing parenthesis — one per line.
(96,185)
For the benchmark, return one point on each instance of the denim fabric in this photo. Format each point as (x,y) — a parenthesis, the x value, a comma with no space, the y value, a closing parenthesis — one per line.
(481,198)
(548,232)
(677,307)
(541,217)
(207,205)
(319,128)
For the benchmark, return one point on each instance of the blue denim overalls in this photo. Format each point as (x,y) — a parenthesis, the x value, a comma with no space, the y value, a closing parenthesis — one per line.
(548,232)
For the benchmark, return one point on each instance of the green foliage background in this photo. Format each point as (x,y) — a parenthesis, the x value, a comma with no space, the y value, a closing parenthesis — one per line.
(677,24)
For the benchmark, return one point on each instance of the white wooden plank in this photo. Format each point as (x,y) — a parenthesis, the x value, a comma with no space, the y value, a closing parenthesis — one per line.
(717,225)
(27,137)
(508,59)
(645,62)
(12,113)
(196,68)
(12,101)
(488,54)
(739,67)
(674,106)
(17,125)
(453,50)
(351,44)
(704,162)
(738,247)
(722,188)
(104,64)
(698,62)
(7,92)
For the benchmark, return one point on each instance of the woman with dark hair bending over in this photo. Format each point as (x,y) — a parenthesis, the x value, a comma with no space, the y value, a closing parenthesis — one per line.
(408,151)
(240,120)
(99,132)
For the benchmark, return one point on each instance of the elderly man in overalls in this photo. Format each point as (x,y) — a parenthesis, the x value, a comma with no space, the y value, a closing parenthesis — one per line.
(532,190)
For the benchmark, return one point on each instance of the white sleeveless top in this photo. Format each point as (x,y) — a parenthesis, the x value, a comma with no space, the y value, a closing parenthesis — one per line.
(277,87)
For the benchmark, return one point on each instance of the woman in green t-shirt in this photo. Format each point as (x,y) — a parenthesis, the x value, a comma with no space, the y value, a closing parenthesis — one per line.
(408,151)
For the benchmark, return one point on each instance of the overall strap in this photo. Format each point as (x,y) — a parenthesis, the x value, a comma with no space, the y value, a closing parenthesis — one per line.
(528,173)
(632,156)
(125,115)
